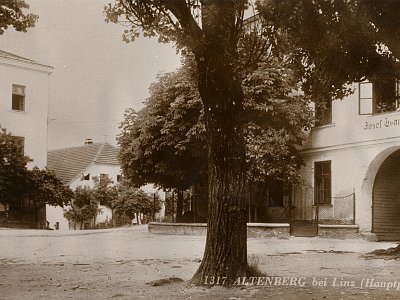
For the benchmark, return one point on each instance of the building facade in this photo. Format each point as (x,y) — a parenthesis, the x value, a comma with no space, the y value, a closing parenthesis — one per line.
(24,94)
(78,167)
(352,163)
(24,90)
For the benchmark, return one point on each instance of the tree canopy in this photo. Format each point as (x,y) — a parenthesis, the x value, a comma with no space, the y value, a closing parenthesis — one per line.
(18,182)
(132,201)
(104,191)
(12,13)
(335,43)
(46,188)
(165,142)
(13,171)
(84,206)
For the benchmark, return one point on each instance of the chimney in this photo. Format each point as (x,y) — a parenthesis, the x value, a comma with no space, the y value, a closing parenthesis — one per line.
(88,141)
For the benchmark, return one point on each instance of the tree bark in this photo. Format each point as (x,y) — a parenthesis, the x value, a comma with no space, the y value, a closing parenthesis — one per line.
(225,255)
(35,216)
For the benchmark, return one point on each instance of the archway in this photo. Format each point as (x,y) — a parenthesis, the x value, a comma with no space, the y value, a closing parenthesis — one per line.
(386,199)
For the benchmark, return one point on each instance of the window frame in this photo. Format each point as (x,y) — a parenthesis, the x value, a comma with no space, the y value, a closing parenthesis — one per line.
(323,115)
(319,179)
(20,92)
(373,98)
(20,141)
(119,178)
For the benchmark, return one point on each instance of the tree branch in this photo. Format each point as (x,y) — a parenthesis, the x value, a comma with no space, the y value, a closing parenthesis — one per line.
(191,29)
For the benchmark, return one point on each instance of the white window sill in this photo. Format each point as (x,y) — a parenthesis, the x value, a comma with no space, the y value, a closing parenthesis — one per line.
(324,126)
(22,112)
(386,113)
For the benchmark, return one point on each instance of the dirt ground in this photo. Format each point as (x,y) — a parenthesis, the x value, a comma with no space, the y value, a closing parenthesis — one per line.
(117,263)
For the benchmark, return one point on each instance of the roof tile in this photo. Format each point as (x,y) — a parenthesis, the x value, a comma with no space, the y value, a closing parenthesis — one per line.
(68,163)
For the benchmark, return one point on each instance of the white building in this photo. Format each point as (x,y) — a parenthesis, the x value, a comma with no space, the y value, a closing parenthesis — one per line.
(24,90)
(24,94)
(352,171)
(78,166)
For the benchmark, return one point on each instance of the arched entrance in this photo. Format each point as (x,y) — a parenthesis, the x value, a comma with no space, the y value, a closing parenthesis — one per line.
(386,199)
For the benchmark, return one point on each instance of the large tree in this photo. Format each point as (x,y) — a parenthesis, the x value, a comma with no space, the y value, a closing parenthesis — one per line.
(12,13)
(164,142)
(209,30)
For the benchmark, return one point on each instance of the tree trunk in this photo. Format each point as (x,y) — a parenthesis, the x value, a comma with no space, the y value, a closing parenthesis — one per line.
(225,256)
(35,216)
(173,208)
(179,206)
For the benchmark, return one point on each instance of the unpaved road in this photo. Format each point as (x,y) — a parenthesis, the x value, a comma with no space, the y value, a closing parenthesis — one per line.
(117,264)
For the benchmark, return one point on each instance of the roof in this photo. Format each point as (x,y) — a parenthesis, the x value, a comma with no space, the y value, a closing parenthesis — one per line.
(19,59)
(68,163)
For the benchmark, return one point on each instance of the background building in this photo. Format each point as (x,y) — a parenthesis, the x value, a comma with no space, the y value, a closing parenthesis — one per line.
(78,166)
(24,94)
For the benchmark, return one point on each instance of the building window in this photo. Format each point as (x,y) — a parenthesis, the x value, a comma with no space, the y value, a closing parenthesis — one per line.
(365,98)
(323,113)
(119,178)
(19,144)
(18,97)
(322,182)
(378,96)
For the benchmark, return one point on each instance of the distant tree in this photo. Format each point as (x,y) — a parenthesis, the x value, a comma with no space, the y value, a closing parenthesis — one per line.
(105,191)
(12,14)
(13,171)
(133,201)
(164,143)
(45,188)
(84,206)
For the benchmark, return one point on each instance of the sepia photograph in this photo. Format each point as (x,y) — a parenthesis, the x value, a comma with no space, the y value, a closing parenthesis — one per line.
(199,149)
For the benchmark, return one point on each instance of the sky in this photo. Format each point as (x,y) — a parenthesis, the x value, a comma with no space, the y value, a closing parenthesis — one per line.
(96,75)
